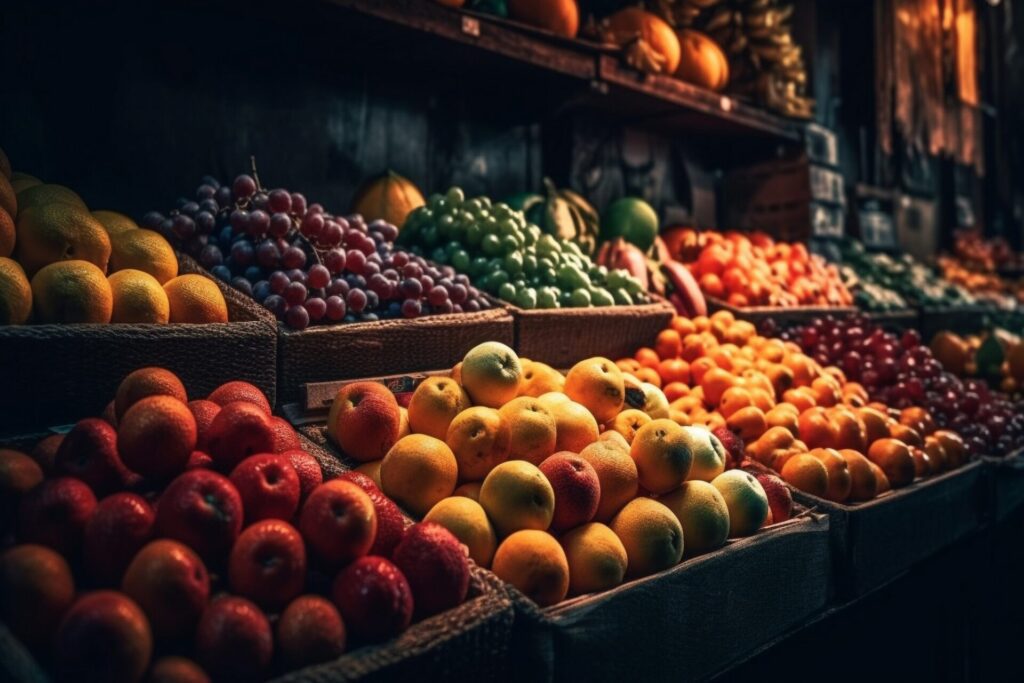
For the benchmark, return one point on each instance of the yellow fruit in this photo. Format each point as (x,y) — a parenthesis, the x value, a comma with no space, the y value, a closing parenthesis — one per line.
(616,473)
(491,374)
(403,422)
(806,473)
(22,181)
(708,454)
(195,299)
(143,250)
(517,495)
(72,292)
(661,450)
(540,378)
(651,535)
(471,490)
(468,522)
(598,384)
(434,404)
(138,298)
(59,232)
(533,562)
(575,427)
(597,559)
(7,234)
(372,470)
(114,223)
(418,472)
(48,193)
(15,293)
(389,197)
(533,432)
(628,422)
(746,500)
(617,440)
(703,514)
(479,438)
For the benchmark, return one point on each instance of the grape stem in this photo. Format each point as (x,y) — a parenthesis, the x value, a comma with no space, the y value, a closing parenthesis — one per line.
(255,174)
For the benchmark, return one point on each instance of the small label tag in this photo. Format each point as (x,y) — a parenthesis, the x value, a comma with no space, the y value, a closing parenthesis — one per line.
(471,26)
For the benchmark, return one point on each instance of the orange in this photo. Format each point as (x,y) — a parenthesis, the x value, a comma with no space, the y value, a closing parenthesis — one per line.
(712,285)
(682,325)
(491,374)
(826,392)
(195,299)
(749,423)
(882,480)
(144,382)
(649,375)
(479,439)
(575,427)
(907,435)
(539,378)
(143,250)
(762,398)
(674,370)
(802,368)
(651,535)
(471,490)
(839,478)
(850,430)
(597,559)
(674,391)
(15,293)
(517,495)
(36,589)
(156,436)
(390,197)
(918,419)
(628,365)
(936,453)
(895,459)
(48,233)
(801,398)
(806,473)
(746,500)
(662,454)
(863,484)
(781,378)
(628,422)
(115,223)
(647,357)
(956,450)
(418,472)
(875,425)
(816,429)
(72,292)
(714,383)
(434,404)
(7,234)
(615,439)
(617,474)
(693,348)
(468,522)
(922,463)
(733,399)
(668,344)
(561,17)
(18,473)
(533,431)
(535,563)
(138,298)
(48,193)
(598,384)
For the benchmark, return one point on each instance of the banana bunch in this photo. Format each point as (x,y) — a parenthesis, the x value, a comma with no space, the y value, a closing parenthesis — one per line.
(766,65)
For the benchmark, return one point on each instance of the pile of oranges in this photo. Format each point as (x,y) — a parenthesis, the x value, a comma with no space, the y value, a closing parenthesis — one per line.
(793,415)
(755,270)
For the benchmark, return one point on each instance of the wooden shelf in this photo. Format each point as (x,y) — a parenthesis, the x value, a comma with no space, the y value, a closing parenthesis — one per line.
(658,101)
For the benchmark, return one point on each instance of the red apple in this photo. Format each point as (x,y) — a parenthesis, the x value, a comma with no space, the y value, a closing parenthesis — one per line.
(780,499)
(199,461)
(103,637)
(308,469)
(436,566)
(359,479)
(268,564)
(121,525)
(733,444)
(55,513)
(89,453)
(171,585)
(204,412)
(338,522)
(234,641)
(240,429)
(36,589)
(577,489)
(310,631)
(390,520)
(285,437)
(269,487)
(203,510)
(374,599)
(364,420)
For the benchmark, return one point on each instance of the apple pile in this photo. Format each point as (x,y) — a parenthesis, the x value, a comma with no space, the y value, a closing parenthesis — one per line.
(560,484)
(196,539)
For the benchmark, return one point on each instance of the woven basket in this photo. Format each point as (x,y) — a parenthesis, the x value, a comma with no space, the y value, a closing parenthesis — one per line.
(959,319)
(875,541)
(783,317)
(55,374)
(1005,484)
(561,337)
(908,318)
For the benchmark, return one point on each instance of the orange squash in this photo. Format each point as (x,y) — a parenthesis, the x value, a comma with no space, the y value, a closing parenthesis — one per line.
(702,61)
(389,197)
(558,16)
(657,49)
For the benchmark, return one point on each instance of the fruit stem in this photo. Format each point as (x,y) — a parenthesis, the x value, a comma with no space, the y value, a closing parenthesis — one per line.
(255,174)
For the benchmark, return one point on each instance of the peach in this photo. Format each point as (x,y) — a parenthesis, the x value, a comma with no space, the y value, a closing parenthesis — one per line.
(171,585)
(577,489)
(816,429)
(628,422)
(863,483)
(36,589)
(599,385)
(491,374)
(839,479)
(806,473)
(895,459)
(434,404)
(364,420)
(533,430)
(875,425)
(480,440)
(540,378)
(750,423)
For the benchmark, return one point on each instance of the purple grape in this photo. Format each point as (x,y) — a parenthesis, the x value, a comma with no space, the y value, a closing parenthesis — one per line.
(279,200)
(244,186)
(338,287)
(267,254)
(458,293)
(278,281)
(296,275)
(205,222)
(315,208)
(239,220)
(471,306)
(260,201)
(242,285)
(297,317)
(445,307)
(298,204)
(371,268)
(152,220)
(261,290)
(411,288)
(356,300)
(293,257)
(223,196)
(205,191)
(312,225)
(211,181)
(211,256)
(280,224)
(427,282)
(355,261)
(242,253)
(411,308)
(456,308)
(253,274)
(334,308)
(319,277)
(295,293)
(335,261)
(437,296)
(276,304)
(183,226)
(316,307)
(190,208)
(412,270)
(259,223)
(222,273)
(372,300)
(332,234)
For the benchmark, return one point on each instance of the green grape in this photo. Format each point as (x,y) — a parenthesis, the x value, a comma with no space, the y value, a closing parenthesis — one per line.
(529,264)
(500,277)
(429,236)
(460,260)
(474,235)
(526,298)
(478,267)
(548,245)
(491,244)
(439,255)
(547,298)
(622,297)
(507,292)
(514,262)
(509,245)
(445,224)
(455,196)
(502,211)
(452,247)
(570,277)
(600,297)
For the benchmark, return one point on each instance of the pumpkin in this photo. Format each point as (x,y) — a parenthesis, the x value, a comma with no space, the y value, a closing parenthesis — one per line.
(561,17)
(649,42)
(702,61)
(389,197)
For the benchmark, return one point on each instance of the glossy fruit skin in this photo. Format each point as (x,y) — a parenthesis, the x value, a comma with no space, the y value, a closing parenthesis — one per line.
(55,514)
(268,564)
(203,510)
(171,585)
(310,631)
(269,487)
(103,637)
(374,599)
(234,640)
(122,524)
(436,567)
(338,522)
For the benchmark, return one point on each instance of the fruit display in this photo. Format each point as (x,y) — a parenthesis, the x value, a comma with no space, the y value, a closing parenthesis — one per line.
(996,356)
(901,372)
(512,259)
(984,267)
(307,266)
(61,263)
(197,538)
(562,213)
(560,484)
(389,198)
(755,270)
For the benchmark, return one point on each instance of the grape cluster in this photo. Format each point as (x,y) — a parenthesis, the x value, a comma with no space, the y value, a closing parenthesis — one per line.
(900,371)
(511,258)
(304,264)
